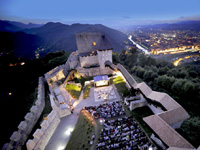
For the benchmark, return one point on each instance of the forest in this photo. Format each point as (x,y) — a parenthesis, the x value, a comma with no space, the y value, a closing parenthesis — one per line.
(182,83)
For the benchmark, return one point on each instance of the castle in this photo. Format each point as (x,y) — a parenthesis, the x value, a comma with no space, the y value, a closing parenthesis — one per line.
(94,57)
(94,50)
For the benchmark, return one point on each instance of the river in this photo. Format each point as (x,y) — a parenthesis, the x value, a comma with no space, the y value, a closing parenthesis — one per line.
(138,46)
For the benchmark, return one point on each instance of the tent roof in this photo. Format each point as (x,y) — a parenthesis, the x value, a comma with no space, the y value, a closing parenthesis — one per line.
(99,78)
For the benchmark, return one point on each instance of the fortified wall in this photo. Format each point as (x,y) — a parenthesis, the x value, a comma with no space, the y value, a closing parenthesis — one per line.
(59,107)
(43,135)
(19,137)
(94,71)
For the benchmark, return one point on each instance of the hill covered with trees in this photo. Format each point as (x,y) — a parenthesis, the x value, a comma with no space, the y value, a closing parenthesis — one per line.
(24,41)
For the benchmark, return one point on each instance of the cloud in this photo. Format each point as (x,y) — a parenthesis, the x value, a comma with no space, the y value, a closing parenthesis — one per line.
(126,17)
(189,18)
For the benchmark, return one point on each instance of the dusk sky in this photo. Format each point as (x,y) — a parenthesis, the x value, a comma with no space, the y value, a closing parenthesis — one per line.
(108,12)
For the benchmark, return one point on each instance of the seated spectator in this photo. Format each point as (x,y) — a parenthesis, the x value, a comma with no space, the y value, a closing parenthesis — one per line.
(123,133)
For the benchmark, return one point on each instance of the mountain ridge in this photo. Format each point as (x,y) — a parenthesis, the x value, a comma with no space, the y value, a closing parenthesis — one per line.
(61,36)
(55,36)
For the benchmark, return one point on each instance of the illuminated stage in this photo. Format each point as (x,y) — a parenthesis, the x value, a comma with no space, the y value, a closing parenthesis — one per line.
(104,93)
(101,81)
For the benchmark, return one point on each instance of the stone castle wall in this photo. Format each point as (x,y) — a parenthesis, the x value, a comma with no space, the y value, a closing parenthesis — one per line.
(88,61)
(19,137)
(94,71)
(104,56)
(43,135)
(60,108)
(48,126)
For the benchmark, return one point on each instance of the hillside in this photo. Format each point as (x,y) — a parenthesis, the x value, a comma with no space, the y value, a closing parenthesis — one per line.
(5,26)
(13,26)
(50,37)
(19,44)
(60,36)
(183,25)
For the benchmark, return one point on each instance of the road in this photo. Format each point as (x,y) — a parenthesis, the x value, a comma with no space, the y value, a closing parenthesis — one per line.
(138,46)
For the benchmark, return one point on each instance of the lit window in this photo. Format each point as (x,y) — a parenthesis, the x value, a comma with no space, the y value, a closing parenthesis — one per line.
(94,43)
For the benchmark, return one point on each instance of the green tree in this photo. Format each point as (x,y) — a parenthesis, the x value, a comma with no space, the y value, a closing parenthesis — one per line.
(177,86)
(115,57)
(173,72)
(133,69)
(151,61)
(182,74)
(140,72)
(142,60)
(191,127)
(165,82)
(162,63)
(163,70)
(154,69)
(188,88)
(122,55)
(131,57)
(192,73)
(150,76)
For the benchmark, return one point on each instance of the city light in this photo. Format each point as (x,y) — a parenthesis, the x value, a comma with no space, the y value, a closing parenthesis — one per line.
(22,63)
(173,51)
(178,61)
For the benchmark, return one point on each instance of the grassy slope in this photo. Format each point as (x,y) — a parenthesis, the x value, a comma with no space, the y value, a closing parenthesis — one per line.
(86,91)
(81,135)
(74,90)
(120,84)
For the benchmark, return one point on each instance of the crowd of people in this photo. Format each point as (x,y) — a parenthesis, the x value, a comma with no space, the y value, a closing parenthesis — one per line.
(122,134)
(107,110)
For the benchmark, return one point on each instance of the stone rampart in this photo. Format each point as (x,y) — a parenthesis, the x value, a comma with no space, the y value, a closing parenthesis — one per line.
(94,71)
(137,104)
(43,135)
(62,109)
(19,137)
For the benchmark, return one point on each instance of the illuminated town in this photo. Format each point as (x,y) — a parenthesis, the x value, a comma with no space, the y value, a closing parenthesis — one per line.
(167,41)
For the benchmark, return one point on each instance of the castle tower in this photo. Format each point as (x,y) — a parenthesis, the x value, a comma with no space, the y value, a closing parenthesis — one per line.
(93,49)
